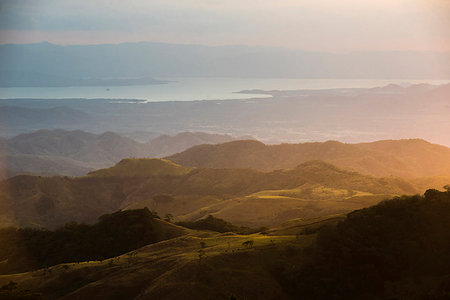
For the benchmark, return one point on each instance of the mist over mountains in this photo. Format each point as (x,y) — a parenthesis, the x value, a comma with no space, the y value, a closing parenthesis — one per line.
(46,64)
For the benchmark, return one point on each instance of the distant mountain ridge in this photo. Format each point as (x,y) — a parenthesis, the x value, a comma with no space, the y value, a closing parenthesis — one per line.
(46,64)
(403,158)
(165,144)
(76,144)
(16,116)
(77,152)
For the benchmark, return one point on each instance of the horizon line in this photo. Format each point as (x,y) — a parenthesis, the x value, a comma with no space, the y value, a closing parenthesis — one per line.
(223,46)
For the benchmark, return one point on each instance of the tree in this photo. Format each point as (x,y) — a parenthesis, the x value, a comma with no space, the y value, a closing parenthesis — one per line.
(10,286)
(248,244)
(201,255)
(168,218)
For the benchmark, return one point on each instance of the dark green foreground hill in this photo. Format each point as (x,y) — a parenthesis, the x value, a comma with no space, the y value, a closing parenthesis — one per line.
(398,249)
(24,249)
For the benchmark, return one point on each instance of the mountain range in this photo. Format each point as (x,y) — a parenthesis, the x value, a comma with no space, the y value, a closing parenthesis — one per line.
(75,153)
(46,64)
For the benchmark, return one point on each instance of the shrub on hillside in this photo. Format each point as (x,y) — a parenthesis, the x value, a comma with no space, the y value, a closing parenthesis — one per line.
(215,224)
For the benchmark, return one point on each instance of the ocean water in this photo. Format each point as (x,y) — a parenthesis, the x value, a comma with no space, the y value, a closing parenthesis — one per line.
(188,89)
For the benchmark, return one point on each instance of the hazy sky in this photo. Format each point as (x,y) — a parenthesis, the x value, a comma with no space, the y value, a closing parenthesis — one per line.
(344,25)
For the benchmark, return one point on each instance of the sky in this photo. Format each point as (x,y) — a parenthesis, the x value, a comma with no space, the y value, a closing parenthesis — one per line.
(319,25)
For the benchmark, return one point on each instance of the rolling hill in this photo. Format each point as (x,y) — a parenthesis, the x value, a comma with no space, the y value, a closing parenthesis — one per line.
(166,145)
(312,189)
(178,268)
(141,168)
(400,158)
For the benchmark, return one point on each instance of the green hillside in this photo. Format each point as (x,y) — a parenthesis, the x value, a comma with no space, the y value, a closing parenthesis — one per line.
(132,167)
(114,234)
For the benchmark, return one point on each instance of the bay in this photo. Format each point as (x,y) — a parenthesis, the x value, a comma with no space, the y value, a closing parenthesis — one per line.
(189,89)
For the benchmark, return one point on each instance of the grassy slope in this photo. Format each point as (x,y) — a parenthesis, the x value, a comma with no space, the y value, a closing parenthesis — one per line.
(172,270)
(273,207)
(312,189)
(301,226)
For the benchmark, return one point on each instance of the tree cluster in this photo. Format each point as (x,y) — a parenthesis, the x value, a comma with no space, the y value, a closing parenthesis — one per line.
(397,249)
(117,233)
